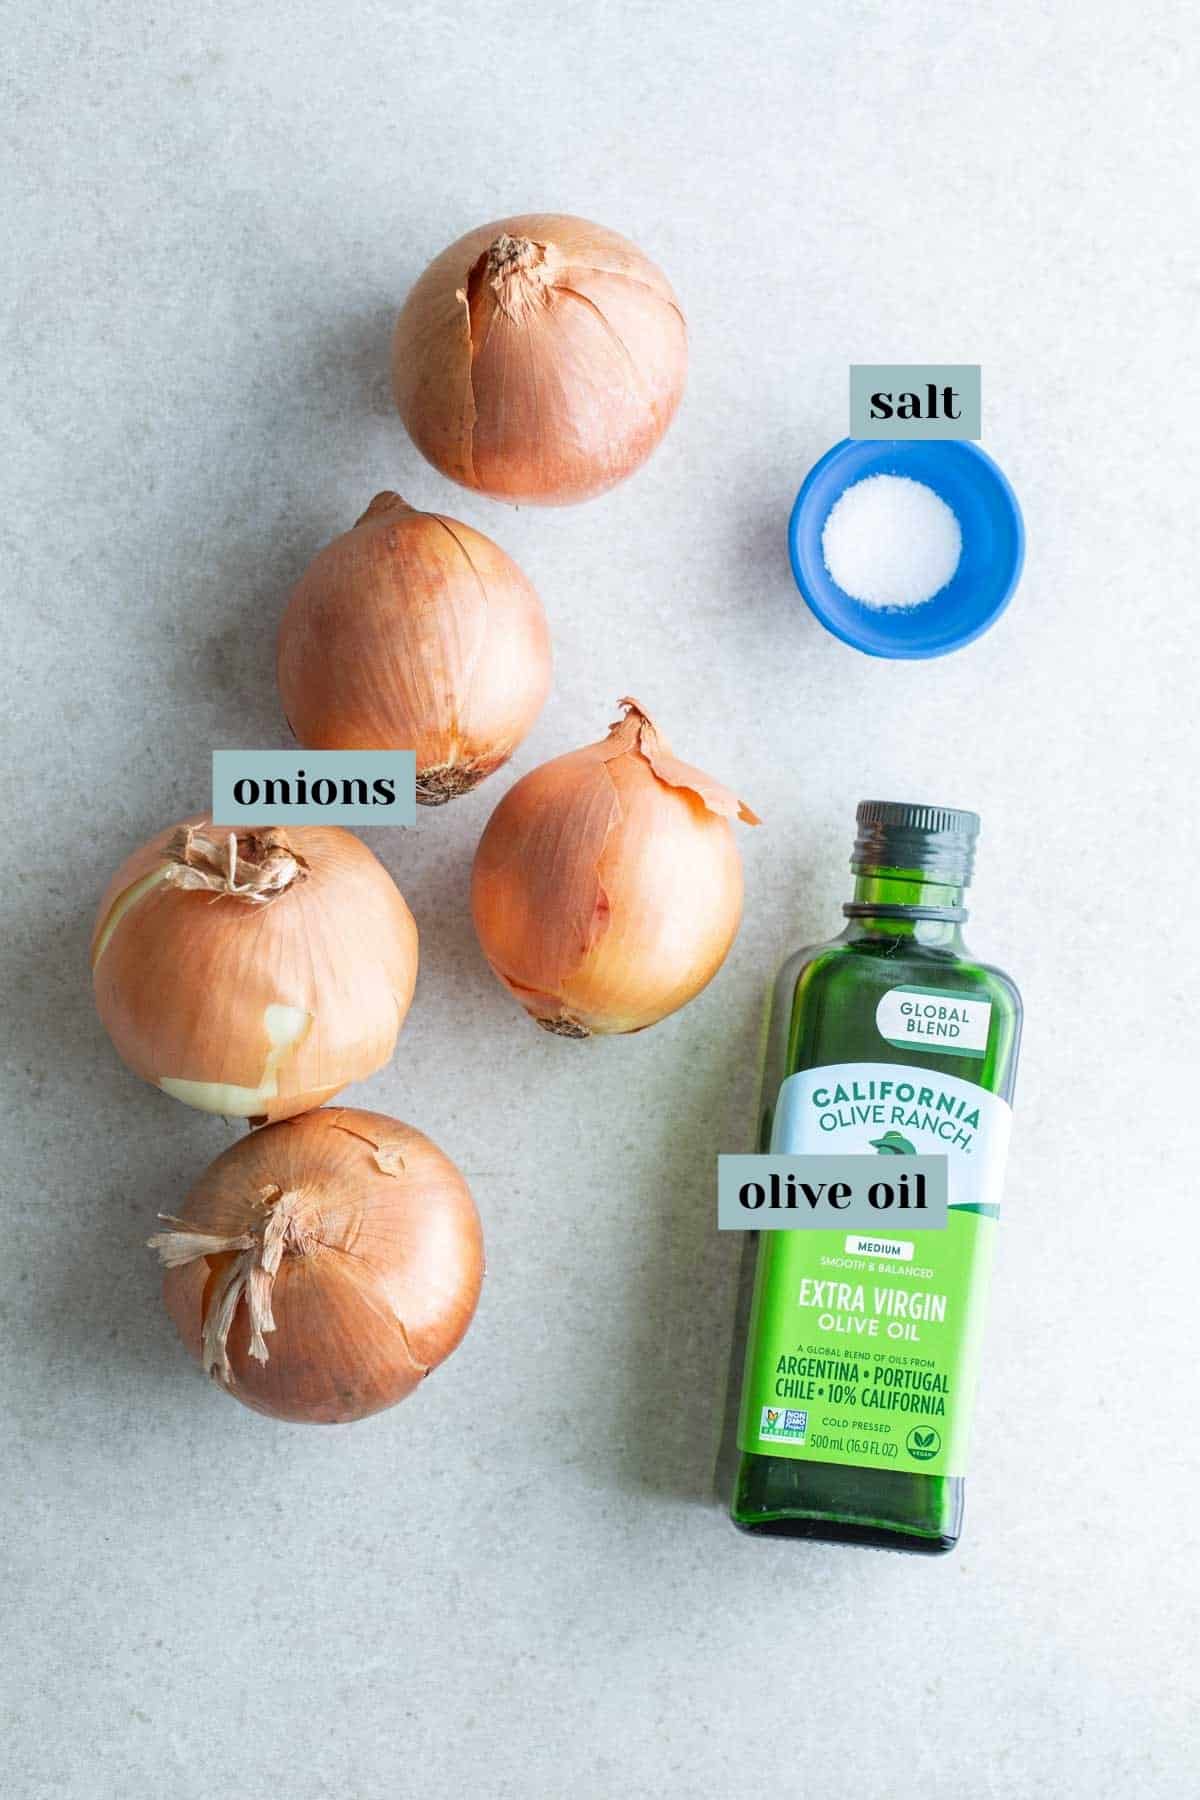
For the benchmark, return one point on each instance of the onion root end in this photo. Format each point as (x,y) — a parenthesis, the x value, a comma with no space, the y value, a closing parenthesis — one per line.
(446,781)
(563,1025)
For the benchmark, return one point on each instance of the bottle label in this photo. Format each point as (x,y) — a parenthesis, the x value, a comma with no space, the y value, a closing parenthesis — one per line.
(863,1350)
(947,1022)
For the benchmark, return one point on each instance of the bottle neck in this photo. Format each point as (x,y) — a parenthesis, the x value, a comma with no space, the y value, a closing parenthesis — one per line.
(906,903)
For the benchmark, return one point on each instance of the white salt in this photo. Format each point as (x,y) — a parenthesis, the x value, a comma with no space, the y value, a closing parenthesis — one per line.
(891,541)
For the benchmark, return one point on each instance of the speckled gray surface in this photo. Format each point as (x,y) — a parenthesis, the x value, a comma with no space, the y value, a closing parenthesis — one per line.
(517,1584)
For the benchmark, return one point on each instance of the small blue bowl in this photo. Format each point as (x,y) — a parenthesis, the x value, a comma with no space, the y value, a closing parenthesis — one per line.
(993,545)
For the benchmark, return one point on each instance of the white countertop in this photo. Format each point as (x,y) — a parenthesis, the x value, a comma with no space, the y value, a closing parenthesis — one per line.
(518,1583)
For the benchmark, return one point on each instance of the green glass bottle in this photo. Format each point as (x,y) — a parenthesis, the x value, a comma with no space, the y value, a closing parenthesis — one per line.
(861,1352)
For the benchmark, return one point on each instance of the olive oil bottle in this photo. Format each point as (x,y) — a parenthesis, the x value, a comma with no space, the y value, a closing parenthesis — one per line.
(861,1353)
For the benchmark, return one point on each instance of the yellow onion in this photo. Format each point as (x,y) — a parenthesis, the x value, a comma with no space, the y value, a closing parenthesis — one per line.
(539,358)
(347,1239)
(607,887)
(413,632)
(253,973)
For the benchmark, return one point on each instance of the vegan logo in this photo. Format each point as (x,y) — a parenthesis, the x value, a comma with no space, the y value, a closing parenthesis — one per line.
(923,1443)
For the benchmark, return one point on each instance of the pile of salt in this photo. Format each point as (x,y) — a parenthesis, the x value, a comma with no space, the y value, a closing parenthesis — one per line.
(891,541)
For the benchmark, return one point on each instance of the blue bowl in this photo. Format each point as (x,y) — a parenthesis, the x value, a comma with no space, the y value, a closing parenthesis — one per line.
(993,545)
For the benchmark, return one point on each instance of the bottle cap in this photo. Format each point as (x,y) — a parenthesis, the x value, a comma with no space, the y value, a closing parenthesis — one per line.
(937,840)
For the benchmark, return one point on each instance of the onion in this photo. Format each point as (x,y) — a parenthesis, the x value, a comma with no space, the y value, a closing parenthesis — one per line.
(607,887)
(347,1238)
(414,632)
(539,358)
(253,973)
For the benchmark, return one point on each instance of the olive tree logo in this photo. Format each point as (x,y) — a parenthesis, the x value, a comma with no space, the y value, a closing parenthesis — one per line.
(923,1443)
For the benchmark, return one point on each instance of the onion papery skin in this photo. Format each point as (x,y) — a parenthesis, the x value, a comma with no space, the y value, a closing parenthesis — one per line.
(607,887)
(263,1008)
(539,359)
(379,1276)
(413,632)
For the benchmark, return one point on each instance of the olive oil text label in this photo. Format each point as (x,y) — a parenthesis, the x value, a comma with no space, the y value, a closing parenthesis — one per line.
(872,1192)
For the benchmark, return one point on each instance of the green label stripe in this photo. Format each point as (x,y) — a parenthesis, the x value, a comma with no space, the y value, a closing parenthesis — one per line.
(862,1362)
(863,1350)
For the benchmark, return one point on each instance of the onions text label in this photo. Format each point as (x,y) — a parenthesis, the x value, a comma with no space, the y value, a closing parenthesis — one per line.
(314,787)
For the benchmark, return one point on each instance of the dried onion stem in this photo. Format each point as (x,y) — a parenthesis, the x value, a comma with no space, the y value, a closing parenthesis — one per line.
(252,1272)
(256,867)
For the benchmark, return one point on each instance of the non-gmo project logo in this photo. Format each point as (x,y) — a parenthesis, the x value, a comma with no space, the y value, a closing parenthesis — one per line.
(783,1422)
(923,1443)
